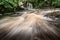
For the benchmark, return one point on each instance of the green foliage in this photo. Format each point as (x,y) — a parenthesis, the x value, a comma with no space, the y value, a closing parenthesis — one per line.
(8,5)
(11,5)
(42,3)
(56,3)
(39,3)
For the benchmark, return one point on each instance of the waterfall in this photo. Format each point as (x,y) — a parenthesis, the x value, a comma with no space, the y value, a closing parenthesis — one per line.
(28,5)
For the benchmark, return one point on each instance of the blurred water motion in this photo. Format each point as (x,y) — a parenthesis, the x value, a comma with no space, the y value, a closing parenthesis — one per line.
(28,27)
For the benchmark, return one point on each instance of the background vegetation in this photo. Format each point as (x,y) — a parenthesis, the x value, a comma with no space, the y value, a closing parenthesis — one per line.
(12,5)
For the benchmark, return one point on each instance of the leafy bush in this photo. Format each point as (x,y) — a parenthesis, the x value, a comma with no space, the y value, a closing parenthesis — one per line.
(42,3)
(56,3)
(8,5)
(39,3)
(11,5)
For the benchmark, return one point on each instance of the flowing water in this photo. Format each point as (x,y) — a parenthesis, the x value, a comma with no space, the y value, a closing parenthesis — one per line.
(28,26)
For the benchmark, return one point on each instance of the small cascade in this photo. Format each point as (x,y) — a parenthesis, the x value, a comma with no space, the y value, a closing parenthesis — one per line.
(28,5)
